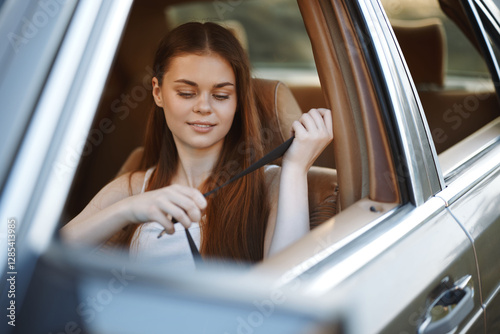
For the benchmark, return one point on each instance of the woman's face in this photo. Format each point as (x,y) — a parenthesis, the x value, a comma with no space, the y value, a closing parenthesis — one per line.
(198,97)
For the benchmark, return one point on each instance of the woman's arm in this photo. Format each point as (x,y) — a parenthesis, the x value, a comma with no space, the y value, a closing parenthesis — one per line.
(113,208)
(102,217)
(313,131)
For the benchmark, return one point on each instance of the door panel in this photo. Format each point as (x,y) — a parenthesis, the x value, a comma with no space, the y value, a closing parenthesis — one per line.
(478,210)
(409,255)
(437,250)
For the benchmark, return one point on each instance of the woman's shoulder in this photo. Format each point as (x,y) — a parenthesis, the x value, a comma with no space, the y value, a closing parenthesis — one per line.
(271,171)
(272,175)
(123,186)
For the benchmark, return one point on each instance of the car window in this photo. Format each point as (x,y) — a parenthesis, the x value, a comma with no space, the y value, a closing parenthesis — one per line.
(460,59)
(275,38)
(272,32)
(279,49)
(453,81)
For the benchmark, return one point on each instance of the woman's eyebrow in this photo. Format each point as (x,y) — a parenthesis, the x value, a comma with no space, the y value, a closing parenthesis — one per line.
(223,84)
(194,84)
(187,82)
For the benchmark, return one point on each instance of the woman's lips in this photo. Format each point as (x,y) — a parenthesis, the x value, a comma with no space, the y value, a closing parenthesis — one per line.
(201,127)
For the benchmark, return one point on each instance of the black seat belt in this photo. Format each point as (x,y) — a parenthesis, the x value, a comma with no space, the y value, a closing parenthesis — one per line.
(268,158)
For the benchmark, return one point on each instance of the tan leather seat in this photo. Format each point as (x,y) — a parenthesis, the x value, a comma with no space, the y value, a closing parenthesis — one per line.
(303,96)
(424,46)
(277,110)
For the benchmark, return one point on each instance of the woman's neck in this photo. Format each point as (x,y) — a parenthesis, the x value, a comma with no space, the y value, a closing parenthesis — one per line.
(195,165)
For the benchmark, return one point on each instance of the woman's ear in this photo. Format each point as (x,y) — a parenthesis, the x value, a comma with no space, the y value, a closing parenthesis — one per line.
(157,92)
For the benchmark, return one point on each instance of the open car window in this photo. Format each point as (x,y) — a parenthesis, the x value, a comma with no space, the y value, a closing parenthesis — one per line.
(283,69)
(119,123)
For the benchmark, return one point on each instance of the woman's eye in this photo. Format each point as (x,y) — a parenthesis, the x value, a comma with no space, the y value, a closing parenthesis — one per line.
(221,97)
(185,95)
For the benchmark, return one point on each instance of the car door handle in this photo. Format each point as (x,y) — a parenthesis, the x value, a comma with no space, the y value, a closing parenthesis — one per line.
(449,309)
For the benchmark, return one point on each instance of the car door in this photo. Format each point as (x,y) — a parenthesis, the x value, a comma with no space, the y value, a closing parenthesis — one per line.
(413,267)
(469,194)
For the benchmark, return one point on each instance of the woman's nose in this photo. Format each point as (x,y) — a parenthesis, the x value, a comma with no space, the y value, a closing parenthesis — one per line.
(203,104)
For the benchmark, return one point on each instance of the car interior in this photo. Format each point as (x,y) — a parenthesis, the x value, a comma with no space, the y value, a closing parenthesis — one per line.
(347,172)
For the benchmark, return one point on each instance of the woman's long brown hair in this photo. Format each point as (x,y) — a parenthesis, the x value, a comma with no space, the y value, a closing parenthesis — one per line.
(236,216)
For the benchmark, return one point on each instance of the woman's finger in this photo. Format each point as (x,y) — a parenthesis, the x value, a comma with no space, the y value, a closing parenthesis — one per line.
(192,213)
(308,122)
(327,116)
(165,220)
(318,119)
(298,129)
(178,213)
(195,195)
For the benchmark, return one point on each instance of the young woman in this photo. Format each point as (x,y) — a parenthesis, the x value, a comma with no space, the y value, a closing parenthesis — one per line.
(203,125)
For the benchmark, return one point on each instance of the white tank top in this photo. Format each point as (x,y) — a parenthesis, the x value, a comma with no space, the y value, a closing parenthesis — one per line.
(170,250)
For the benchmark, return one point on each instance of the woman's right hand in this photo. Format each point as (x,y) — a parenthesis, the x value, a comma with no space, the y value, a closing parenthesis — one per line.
(182,203)
(114,208)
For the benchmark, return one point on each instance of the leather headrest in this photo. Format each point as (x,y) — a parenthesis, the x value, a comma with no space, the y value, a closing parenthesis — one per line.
(424,47)
(277,110)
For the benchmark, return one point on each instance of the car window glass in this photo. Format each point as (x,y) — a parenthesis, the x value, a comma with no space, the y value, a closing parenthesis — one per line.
(460,58)
(449,72)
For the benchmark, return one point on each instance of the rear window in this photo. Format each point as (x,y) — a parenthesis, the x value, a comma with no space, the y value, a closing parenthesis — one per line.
(462,58)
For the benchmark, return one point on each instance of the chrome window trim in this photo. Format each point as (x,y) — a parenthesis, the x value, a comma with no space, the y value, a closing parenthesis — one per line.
(470,160)
(337,268)
(25,172)
(492,12)
(26,29)
(462,156)
(492,61)
(485,165)
(418,148)
(83,99)
(326,255)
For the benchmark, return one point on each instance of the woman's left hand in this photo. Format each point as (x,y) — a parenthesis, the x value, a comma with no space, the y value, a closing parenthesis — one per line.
(313,132)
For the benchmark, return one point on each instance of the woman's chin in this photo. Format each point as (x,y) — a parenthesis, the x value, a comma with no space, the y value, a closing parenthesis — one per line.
(204,145)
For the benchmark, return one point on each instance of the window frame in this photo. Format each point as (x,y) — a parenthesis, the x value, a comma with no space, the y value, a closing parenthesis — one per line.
(20,93)
(403,110)
(35,191)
